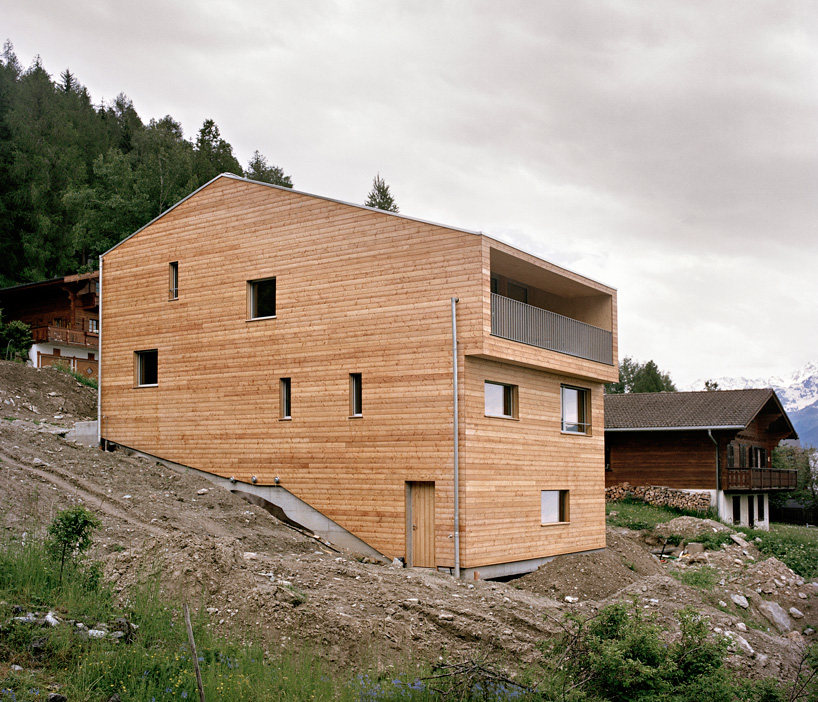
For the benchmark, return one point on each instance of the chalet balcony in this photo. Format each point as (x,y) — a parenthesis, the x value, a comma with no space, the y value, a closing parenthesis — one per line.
(62,335)
(760,479)
(534,326)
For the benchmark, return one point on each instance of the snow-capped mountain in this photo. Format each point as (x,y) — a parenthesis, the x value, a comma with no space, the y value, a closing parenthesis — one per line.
(798,393)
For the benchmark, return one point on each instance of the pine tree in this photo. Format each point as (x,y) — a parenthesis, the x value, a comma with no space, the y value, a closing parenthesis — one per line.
(380,196)
(259,169)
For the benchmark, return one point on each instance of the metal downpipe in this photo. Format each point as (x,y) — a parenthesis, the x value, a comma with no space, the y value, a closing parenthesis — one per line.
(456,444)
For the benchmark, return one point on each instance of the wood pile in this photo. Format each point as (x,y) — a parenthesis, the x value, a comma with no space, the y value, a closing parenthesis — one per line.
(660,496)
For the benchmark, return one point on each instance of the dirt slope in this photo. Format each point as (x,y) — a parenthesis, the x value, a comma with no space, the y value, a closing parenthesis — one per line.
(242,565)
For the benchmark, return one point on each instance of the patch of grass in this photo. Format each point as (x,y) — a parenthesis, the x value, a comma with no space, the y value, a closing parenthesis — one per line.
(636,515)
(79,377)
(713,540)
(796,546)
(704,577)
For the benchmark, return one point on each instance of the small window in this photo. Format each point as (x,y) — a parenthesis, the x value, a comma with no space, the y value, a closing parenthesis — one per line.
(284,388)
(761,508)
(554,506)
(173,283)
(261,298)
(501,400)
(575,415)
(736,509)
(93,326)
(147,367)
(731,456)
(355,395)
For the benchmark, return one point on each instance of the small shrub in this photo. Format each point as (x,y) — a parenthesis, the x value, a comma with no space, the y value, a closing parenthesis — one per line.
(70,534)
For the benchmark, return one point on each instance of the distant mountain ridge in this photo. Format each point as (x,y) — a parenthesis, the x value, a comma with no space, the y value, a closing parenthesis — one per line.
(798,393)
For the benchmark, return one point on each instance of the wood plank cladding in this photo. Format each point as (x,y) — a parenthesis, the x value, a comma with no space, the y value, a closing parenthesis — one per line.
(684,460)
(357,292)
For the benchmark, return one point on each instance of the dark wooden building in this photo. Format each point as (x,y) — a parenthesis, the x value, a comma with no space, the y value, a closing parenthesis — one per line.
(719,442)
(64,317)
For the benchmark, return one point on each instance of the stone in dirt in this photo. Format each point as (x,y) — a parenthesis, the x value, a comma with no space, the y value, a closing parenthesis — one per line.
(740,600)
(776,614)
(796,613)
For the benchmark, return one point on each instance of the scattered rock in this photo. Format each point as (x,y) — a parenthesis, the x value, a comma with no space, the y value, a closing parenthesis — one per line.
(740,600)
(776,615)
(796,613)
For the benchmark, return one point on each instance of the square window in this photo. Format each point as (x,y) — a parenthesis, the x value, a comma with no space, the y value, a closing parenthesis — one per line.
(554,506)
(173,281)
(285,398)
(575,415)
(147,367)
(500,400)
(355,395)
(261,298)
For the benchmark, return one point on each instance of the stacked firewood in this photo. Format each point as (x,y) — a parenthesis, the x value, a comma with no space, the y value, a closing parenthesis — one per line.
(661,496)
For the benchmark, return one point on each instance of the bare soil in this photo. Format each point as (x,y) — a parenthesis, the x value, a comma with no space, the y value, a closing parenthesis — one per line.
(242,566)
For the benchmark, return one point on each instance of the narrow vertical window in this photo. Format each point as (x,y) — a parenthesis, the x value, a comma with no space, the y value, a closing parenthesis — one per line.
(736,509)
(575,414)
(554,506)
(146,367)
(285,395)
(761,508)
(355,395)
(173,281)
(731,456)
(261,298)
(93,326)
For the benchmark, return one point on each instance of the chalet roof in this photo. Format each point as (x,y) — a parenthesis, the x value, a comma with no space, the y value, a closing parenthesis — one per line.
(75,278)
(720,409)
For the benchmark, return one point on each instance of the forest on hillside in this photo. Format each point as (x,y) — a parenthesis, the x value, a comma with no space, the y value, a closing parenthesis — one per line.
(76,178)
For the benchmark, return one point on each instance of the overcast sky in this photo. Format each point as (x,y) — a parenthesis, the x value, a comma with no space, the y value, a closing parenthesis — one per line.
(668,149)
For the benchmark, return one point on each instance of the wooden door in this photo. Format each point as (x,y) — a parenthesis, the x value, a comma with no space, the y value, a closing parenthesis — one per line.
(420,524)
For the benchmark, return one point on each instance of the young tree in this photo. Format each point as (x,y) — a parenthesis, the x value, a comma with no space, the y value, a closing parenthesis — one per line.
(380,196)
(259,169)
(70,534)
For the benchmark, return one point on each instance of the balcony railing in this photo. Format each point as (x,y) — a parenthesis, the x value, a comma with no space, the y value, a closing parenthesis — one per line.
(62,335)
(530,325)
(761,479)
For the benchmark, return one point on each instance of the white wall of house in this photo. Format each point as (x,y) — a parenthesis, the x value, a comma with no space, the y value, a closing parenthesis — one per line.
(758,502)
(66,352)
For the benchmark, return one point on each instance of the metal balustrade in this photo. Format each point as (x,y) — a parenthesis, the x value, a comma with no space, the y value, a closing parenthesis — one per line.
(531,325)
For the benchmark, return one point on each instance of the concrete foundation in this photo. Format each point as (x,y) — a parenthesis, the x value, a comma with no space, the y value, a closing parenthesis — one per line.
(84,433)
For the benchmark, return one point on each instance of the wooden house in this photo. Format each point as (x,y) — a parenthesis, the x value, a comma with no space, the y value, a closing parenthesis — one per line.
(719,442)
(300,350)
(64,317)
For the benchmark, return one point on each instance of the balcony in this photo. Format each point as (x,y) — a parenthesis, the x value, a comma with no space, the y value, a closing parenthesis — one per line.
(62,335)
(534,326)
(761,479)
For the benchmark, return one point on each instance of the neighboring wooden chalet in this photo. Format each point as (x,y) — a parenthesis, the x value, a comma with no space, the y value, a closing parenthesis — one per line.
(720,442)
(64,317)
(302,349)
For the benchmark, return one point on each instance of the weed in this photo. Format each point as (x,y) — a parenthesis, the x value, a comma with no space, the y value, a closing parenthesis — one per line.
(79,377)
(704,577)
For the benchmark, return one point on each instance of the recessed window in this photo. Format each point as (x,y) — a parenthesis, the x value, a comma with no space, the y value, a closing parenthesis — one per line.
(147,367)
(501,400)
(355,395)
(554,506)
(285,395)
(575,413)
(761,508)
(93,326)
(173,281)
(261,298)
